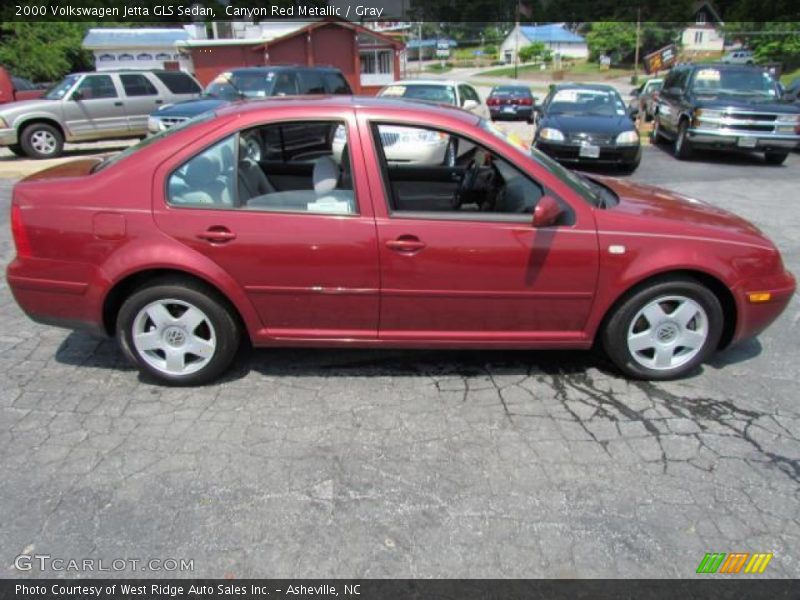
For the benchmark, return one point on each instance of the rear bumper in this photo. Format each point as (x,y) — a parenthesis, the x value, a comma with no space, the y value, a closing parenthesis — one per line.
(8,137)
(755,318)
(519,113)
(726,138)
(609,155)
(68,304)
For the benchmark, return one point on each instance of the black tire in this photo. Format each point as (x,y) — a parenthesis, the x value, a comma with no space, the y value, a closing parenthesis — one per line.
(621,321)
(29,140)
(775,158)
(682,148)
(17,149)
(226,329)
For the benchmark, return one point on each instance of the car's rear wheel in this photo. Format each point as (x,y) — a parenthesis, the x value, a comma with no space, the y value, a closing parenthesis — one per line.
(775,158)
(664,330)
(42,140)
(683,147)
(179,332)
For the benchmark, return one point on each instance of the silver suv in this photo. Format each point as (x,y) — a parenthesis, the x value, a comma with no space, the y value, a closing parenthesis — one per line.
(86,107)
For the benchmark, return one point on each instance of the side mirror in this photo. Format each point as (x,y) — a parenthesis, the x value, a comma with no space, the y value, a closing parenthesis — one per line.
(547,212)
(76,96)
(470,105)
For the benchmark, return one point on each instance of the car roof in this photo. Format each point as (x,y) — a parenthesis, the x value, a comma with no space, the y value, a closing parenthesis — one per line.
(268,68)
(602,87)
(441,82)
(343,102)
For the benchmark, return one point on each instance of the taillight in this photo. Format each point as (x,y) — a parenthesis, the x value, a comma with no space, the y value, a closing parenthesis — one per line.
(526,101)
(492,102)
(21,240)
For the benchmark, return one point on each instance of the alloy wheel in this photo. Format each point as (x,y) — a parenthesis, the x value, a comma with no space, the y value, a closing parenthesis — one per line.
(668,332)
(43,142)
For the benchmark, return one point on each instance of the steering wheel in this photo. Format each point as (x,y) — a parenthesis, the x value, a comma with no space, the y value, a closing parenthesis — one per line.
(468,180)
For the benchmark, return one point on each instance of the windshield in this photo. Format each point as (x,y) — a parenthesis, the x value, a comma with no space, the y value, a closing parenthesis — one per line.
(229,86)
(60,89)
(512,90)
(432,92)
(747,82)
(586,102)
(115,158)
(584,187)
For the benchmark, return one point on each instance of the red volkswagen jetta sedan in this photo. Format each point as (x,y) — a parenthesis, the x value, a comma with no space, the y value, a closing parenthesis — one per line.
(245,222)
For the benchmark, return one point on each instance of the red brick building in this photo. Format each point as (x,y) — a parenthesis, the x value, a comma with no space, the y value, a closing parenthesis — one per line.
(368,59)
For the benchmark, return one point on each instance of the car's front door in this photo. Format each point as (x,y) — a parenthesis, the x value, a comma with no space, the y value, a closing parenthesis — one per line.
(306,258)
(95,109)
(475,269)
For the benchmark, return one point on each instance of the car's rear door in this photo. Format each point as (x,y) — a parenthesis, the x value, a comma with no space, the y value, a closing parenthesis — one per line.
(310,269)
(142,97)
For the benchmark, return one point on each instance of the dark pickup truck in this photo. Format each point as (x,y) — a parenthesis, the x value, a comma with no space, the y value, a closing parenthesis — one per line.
(252,83)
(729,107)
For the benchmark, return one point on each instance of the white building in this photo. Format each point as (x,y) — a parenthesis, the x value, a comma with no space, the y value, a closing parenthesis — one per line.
(702,35)
(145,48)
(555,36)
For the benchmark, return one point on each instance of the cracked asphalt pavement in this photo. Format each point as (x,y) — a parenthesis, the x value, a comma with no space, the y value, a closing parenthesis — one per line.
(332,463)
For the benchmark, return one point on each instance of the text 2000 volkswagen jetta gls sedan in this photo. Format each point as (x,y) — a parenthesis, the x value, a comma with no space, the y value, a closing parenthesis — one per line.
(183,244)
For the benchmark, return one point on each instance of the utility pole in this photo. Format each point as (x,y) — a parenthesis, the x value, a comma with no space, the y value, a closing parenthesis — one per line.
(419,48)
(516,41)
(638,37)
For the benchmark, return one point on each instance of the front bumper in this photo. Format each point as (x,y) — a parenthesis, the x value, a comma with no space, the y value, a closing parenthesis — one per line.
(742,140)
(8,137)
(609,154)
(755,318)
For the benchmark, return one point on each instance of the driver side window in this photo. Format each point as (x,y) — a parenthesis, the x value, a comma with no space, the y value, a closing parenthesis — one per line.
(439,174)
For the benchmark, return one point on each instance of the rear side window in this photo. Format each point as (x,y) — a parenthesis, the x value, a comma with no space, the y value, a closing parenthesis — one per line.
(94,87)
(336,84)
(311,83)
(136,84)
(178,83)
(285,84)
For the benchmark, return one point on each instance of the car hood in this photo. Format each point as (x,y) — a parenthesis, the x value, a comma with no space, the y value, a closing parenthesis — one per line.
(721,101)
(663,211)
(14,109)
(589,124)
(191,108)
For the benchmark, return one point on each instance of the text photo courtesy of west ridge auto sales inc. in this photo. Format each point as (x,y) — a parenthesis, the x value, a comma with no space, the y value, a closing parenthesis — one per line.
(396,299)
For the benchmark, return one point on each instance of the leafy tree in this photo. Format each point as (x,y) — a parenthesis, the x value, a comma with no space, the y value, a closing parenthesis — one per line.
(611,38)
(44,51)
(535,51)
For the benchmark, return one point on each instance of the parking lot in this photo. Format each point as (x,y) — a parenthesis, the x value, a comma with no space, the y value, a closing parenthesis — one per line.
(323,463)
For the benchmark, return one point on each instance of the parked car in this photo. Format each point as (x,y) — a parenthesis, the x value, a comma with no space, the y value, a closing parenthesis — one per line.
(512,102)
(728,107)
(644,99)
(587,124)
(251,83)
(739,57)
(180,250)
(456,93)
(14,89)
(86,107)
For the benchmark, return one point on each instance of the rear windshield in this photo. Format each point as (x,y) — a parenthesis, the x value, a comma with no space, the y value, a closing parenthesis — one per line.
(586,102)
(433,93)
(114,159)
(512,90)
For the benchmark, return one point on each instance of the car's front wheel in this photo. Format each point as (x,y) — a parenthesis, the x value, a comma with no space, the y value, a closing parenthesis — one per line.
(664,330)
(683,147)
(180,332)
(42,140)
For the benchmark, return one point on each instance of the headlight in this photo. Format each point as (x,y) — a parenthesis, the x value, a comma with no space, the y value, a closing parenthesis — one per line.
(163,106)
(422,136)
(552,135)
(154,124)
(706,114)
(3,123)
(628,137)
(791,120)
